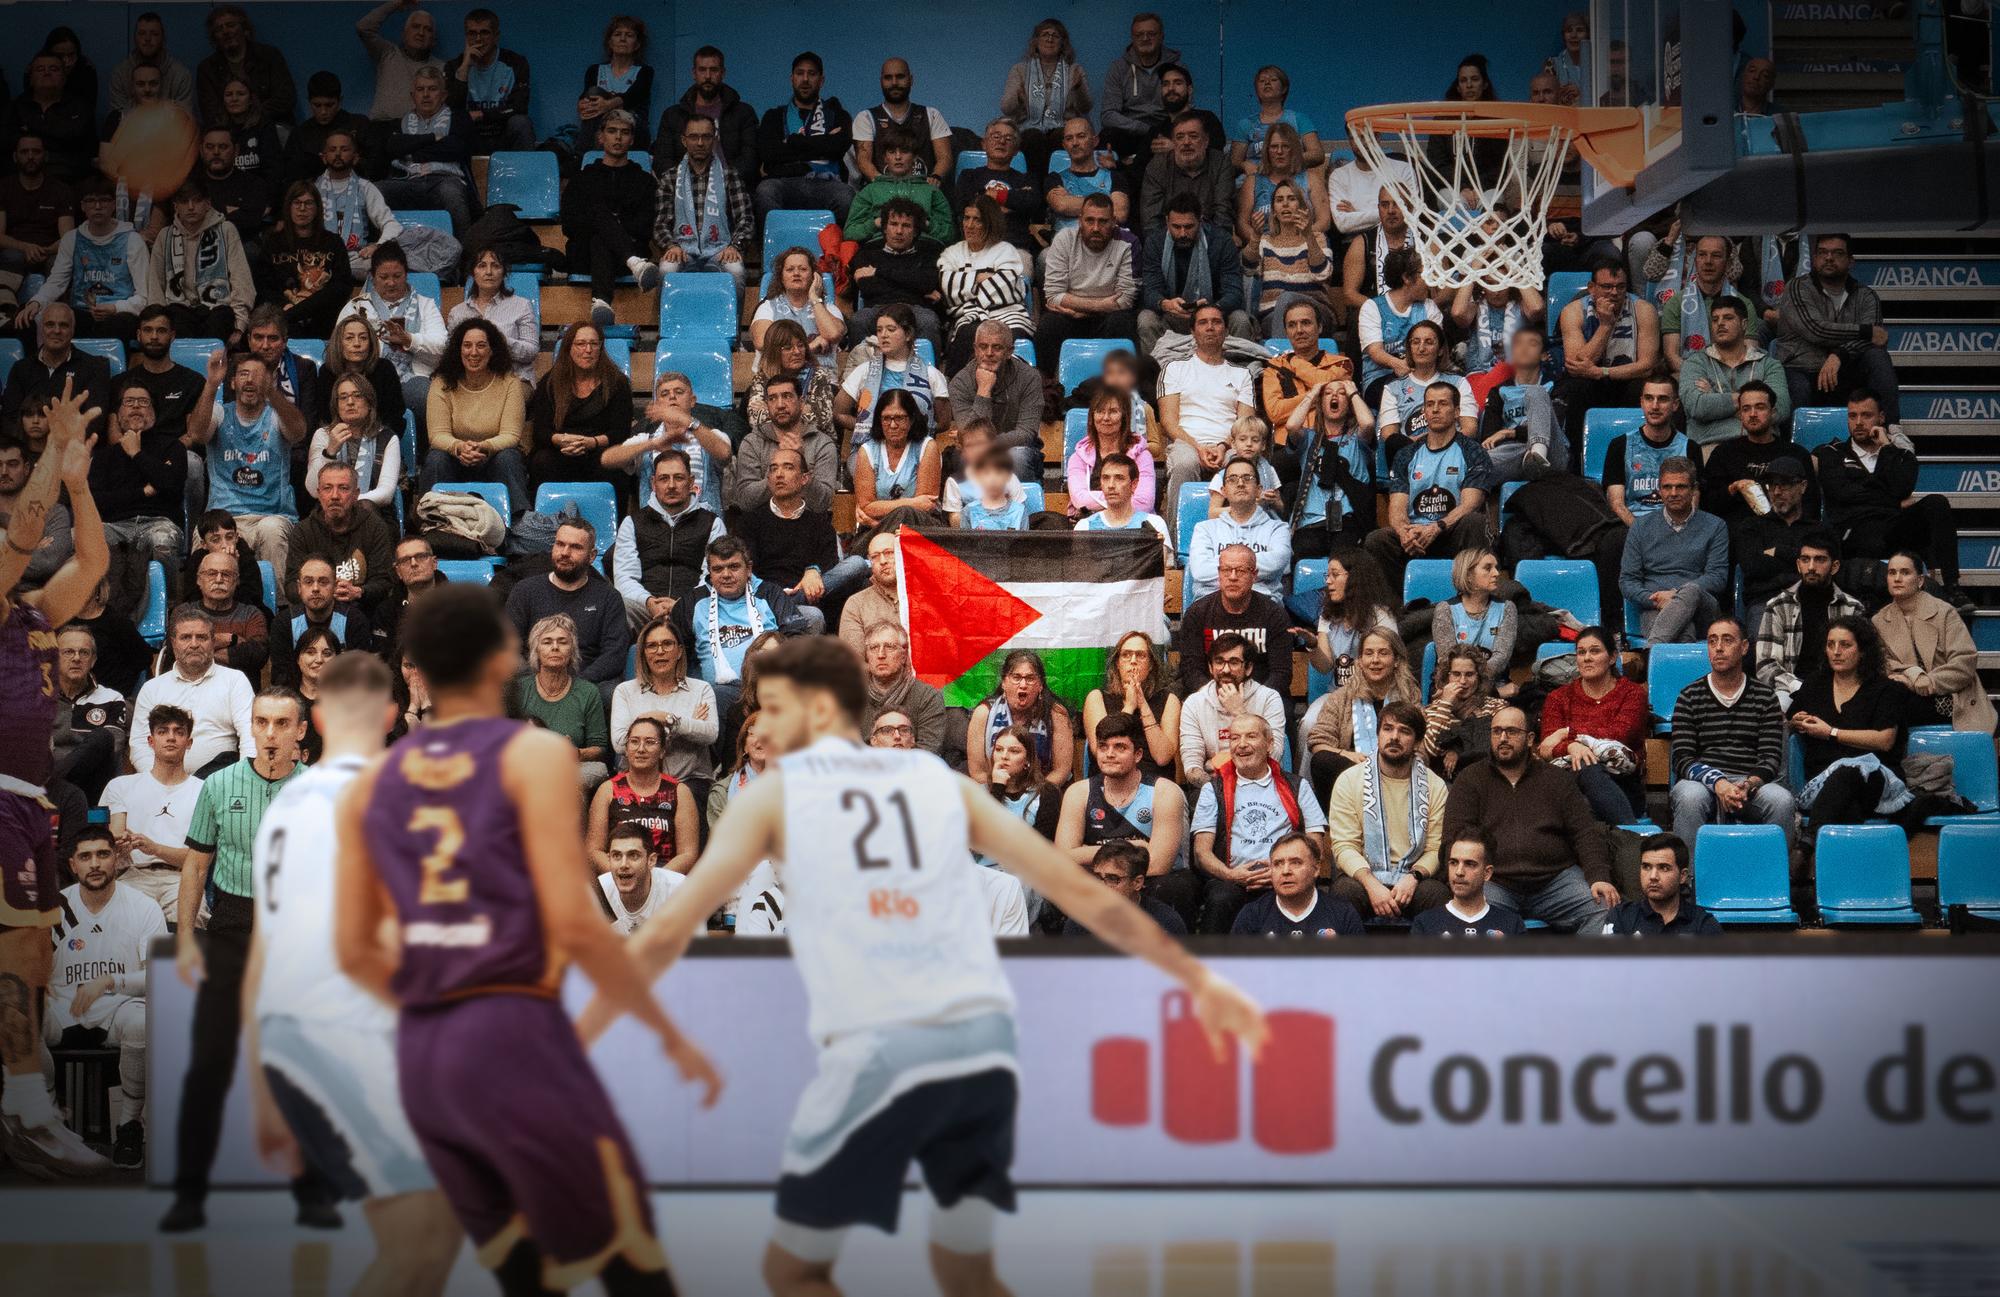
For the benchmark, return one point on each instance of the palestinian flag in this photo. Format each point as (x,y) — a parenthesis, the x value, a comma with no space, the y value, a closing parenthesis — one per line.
(969,598)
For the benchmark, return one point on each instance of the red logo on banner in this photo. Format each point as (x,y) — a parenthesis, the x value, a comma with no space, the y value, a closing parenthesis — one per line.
(1291,1086)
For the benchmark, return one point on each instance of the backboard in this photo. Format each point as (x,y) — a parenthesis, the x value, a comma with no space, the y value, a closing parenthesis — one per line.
(1673,60)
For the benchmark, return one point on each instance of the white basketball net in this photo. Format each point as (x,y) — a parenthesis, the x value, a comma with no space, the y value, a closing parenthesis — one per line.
(1494,243)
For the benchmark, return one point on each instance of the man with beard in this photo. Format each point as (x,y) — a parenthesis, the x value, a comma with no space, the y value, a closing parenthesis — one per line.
(173,387)
(318,607)
(1732,468)
(1830,335)
(351,536)
(139,475)
(1791,639)
(896,109)
(574,588)
(1089,285)
(711,97)
(1191,165)
(1385,820)
(36,210)
(1552,862)
(242,196)
(1130,104)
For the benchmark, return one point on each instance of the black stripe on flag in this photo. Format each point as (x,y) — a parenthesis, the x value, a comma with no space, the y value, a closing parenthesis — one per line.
(1022,557)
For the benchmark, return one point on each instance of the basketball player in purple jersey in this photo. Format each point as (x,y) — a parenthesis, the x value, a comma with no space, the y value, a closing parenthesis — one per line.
(468,833)
(30,902)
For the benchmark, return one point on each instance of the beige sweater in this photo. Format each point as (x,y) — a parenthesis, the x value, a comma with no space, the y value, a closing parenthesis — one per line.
(1934,648)
(493,415)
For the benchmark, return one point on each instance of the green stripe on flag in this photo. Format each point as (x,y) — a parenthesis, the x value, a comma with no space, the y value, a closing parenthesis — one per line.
(1073,673)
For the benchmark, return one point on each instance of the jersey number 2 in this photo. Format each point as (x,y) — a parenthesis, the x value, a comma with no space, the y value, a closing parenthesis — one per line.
(436,889)
(862,859)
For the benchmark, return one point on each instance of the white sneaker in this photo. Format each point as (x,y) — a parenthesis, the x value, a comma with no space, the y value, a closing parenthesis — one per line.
(1535,463)
(601,313)
(50,1152)
(644,271)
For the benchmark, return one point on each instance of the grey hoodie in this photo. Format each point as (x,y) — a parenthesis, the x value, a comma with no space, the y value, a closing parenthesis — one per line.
(203,270)
(1131,98)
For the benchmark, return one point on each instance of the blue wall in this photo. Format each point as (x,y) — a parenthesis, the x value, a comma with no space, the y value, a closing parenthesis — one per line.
(1379,50)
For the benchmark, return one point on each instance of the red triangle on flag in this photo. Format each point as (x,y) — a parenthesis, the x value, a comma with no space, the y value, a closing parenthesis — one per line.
(956,615)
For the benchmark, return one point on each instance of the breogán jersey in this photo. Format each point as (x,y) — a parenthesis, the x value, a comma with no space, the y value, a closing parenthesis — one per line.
(294,856)
(885,914)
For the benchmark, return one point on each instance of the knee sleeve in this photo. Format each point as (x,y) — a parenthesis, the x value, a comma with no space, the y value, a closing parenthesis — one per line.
(812,1246)
(965,1227)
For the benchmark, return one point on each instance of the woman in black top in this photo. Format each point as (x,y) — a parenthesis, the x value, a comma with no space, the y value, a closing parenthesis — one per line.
(353,349)
(581,407)
(1848,710)
(304,265)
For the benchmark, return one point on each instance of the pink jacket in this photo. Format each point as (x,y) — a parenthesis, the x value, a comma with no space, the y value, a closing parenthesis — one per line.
(1083,461)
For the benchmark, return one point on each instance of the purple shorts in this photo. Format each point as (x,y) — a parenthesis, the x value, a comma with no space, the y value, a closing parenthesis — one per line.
(29,897)
(521,1136)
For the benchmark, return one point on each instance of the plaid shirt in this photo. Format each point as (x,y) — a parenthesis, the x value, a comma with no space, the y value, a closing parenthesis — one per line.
(1781,637)
(735,198)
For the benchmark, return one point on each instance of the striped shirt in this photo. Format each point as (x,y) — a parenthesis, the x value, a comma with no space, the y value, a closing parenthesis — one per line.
(1717,740)
(226,815)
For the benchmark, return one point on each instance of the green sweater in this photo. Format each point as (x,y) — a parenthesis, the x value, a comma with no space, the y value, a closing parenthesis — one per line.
(875,195)
(578,715)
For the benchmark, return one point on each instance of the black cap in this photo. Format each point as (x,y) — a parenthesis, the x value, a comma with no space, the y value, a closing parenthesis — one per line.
(1788,467)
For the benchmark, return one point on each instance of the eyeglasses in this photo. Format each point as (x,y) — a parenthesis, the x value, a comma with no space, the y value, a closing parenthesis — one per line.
(895,729)
(414,558)
(1507,729)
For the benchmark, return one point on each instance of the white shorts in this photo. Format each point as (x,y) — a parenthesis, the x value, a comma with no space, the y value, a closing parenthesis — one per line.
(337,1088)
(161,886)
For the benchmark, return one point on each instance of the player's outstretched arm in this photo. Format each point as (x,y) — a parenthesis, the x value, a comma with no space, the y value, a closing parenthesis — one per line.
(538,770)
(65,593)
(360,909)
(69,424)
(1221,1008)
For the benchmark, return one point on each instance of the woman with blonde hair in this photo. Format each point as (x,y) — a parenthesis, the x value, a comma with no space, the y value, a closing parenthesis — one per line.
(1343,734)
(354,349)
(1478,618)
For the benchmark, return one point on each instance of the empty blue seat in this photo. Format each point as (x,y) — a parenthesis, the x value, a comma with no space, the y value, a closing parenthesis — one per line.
(270,575)
(1861,875)
(974,158)
(1969,866)
(313,349)
(527,284)
(494,493)
(1599,427)
(528,180)
(409,443)
(794,229)
(428,285)
(697,305)
(1075,424)
(429,218)
(707,370)
(1562,583)
(1634,638)
(153,617)
(467,571)
(1082,359)
(1742,873)
(597,502)
(1428,578)
(11,352)
(1975,775)
(1564,285)
(1669,669)
(1025,349)
(1190,510)
(111,349)
(1814,426)
(1308,575)
(640,158)
(194,352)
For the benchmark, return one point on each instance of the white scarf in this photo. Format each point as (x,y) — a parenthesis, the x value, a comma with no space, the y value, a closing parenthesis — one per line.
(724,673)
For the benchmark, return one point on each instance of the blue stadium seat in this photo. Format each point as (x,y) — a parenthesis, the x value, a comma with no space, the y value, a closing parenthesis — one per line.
(428,284)
(640,157)
(1025,349)
(1430,668)
(1818,425)
(1507,490)
(1308,575)
(1599,427)
(1082,359)
(467,571)
(1861,875)
(270,576)
(1059,163)
(1975,775)
(153,617)
(794,229)
(926,351)
(111,349)
(1742,873)
(1634,639)
(1555,648)
(11,352)
(494,493)
(194,352)
(1075,424)
(1564,285)
(1279,346)
(1562,583)
(409,444)
(527,284)
(707,370)
(1968,866)
(1669,669)
(528,180)
(430,218)
(1428,578)
(1037,500)
(698,306)
(596,501)
(1190,510)
(313,349)
(977,158)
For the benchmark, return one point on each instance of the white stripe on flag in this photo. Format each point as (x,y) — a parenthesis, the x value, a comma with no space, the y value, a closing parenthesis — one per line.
(1086,614)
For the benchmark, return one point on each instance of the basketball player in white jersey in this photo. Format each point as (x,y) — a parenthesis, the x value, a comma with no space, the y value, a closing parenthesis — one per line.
(912,1013)
(323,1051)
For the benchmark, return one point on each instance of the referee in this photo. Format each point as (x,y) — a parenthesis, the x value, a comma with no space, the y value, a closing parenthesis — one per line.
(218,870)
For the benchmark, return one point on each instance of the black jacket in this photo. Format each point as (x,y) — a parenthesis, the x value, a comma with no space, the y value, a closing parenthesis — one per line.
(783,155)
(737,125)
(909,277)
(627,193)
(1852,495)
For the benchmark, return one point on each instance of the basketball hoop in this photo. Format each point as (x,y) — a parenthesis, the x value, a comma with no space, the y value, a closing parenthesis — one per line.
(1495,240)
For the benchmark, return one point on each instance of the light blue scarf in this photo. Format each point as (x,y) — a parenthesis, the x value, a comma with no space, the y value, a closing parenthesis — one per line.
(1375,826)
(701,240)
(1199,287)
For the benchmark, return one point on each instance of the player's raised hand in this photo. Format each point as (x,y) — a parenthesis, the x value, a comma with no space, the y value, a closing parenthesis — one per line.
(1224,1010)
(69,422)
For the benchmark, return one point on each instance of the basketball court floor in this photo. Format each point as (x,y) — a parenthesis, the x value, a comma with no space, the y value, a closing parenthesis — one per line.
(99,1242)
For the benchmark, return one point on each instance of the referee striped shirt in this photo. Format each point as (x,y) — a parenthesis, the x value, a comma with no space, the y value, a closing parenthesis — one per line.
(226,815)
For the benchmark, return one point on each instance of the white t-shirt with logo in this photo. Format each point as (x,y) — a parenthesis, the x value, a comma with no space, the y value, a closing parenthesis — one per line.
(112,942)
(153,809)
